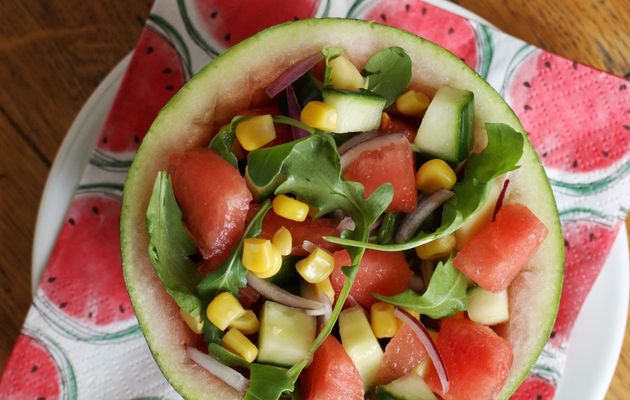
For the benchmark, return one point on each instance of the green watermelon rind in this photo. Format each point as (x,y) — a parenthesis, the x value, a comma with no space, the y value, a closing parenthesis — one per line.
(184,123)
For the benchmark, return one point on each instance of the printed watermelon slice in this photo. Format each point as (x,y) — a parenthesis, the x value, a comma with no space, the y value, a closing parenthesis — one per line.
(155,73)
(552,96)
(37,369)
(82,291)
(451,31)
(534,388)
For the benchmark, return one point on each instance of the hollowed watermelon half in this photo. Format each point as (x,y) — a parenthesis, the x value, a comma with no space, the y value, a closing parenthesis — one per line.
(37,369)
(190,117)
(159,67)
(466,39)
(82,291)
(577,118)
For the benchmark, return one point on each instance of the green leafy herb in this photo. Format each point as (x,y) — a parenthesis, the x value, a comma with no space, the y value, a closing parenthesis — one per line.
(446,294)
(268,382)
(226,357)
(281,119)
(389,73)
(307,88)
(170,247)
(310,169)
(224,139)
(504,149)
(388,227)
(330,54)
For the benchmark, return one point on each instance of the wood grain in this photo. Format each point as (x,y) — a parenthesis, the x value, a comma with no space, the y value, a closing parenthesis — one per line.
(54,53)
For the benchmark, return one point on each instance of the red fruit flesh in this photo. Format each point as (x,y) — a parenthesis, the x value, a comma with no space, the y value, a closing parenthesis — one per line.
(214,200)
(402,354)
(385,273)
(397,125)
(477,360)
(331,375)
(534,388)
(496,254)
(392,163)
(83,278)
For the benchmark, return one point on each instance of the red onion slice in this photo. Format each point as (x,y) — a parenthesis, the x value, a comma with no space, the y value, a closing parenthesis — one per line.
(416,283)
(410,224)
(371,144)
(356,140)
(356,304)
(325,310)
(497,207)
(346,224)
(279,295)
(294,111)
(291,74)
(228,375)
(425,338)
(308,246)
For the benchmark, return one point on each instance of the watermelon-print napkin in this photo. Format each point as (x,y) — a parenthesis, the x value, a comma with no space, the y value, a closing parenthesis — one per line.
(81,339)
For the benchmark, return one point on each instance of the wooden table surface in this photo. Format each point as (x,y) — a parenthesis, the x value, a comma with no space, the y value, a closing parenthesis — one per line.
(53,54)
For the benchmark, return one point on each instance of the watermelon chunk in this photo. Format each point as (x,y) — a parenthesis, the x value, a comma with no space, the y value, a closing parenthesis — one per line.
(402,354)
(385,273)
(214,200)
(496,254)
(331,375)
(476,359)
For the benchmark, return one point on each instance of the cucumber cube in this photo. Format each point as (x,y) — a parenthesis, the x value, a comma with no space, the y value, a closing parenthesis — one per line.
(488,308)
(357,111)
(408,387)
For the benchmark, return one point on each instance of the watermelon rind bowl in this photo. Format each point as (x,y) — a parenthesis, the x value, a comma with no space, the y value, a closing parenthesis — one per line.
(234,81)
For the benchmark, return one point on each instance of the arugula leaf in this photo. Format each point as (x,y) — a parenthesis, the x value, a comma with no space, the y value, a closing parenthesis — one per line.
(330,54)
(224,139)
(307,88)
(504,149)
(389,73)
(170,247)
(268,382)
(231,275)
(446,293)
(281,119)
(226,357)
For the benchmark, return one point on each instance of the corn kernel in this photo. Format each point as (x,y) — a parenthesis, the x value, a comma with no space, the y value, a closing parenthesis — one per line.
(434,175)
(246,323)
(345,75)
(319,115)
(195,324)
(290,208)
(275,266)
(324,288)
(383,320)
(255,132)
(412,103)
(317,266)
(258,255)
(239,344)
(385,120)
(224,309)
(438,248)
(282,241)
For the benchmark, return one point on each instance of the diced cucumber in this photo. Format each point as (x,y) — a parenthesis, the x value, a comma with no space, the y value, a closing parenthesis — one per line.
(446,130)
(481,217)
(408,387)
(357,111)
(488,308)
(285,334)
(360,344)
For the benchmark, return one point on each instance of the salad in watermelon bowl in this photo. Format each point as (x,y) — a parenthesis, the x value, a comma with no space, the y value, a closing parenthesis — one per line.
(340,209)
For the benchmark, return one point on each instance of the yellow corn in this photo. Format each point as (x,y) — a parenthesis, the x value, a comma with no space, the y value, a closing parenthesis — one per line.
(258,255)
(317,266)
(412,103)
(247,323)
(282,241)
(290,208)
(436,249)
(345,75)
(319,115)
(383,320)
(195,324)
(324,288)
(255,132)
(274,268)
(385,119)
(224,309)
(434,175)
(239,344)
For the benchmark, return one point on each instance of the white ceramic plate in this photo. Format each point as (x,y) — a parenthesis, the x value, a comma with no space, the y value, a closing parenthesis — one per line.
(598,334)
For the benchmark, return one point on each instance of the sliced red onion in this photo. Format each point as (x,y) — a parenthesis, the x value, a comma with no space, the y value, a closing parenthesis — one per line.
(346,224)
(324,310)
(416,283)
(497,207)
(410,224)
(356,140)
(426,270)
(294,111)
(426,340)
(279,295)
(228,375)
(292,74)
(308,246)
(372,144)
(356,304)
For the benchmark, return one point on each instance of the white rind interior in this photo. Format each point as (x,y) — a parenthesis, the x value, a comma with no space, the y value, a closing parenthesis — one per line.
(217,92)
